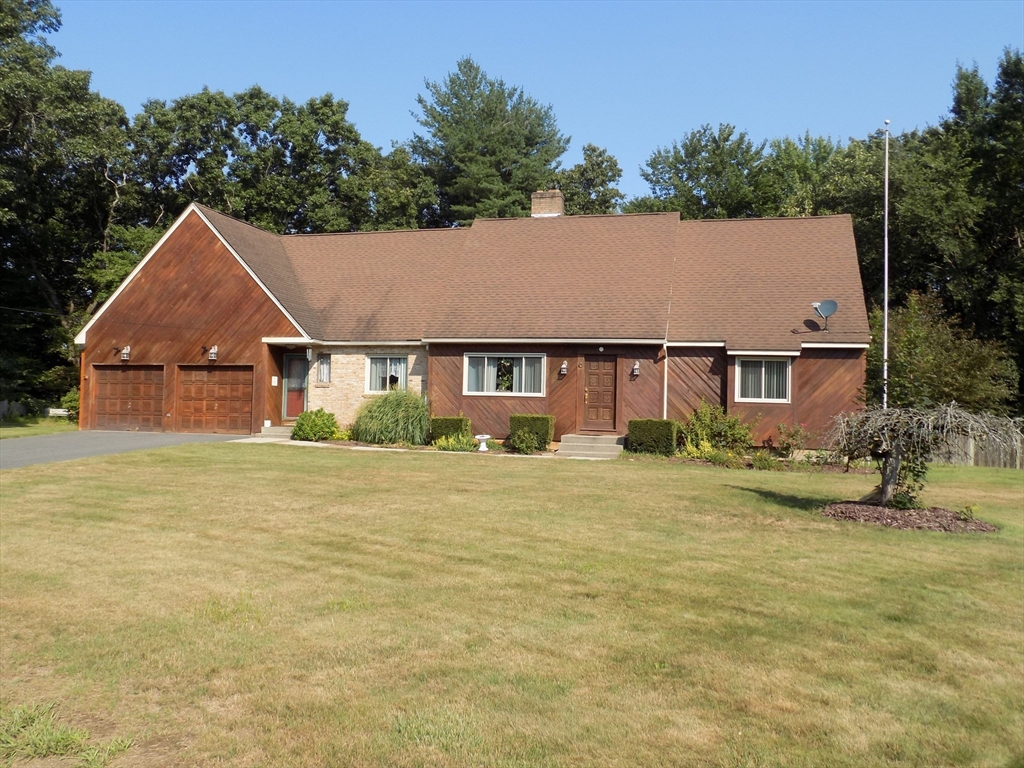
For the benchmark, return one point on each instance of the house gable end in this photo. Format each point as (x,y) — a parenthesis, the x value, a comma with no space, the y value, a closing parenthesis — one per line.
(188,222)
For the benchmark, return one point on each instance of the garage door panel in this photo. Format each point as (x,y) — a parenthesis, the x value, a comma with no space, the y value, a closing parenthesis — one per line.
(215,399)
(129,397)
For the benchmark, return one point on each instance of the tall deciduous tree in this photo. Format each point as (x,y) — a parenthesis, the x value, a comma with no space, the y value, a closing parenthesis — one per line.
(60,145)
(932,361)
(487,146)
(710,174)
(589,187)
(282,166)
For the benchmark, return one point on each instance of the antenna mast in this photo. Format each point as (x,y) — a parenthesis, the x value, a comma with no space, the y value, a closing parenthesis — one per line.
(885,282)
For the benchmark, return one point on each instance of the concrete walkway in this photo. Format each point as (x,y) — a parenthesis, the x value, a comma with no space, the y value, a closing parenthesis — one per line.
(67,446)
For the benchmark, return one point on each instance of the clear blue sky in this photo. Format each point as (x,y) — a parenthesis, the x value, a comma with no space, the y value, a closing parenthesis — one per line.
(626,76)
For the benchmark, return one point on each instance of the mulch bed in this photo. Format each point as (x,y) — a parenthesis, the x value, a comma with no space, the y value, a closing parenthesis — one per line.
(931,519)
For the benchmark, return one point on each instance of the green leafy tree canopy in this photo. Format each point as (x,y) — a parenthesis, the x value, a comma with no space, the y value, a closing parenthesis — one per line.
(487,146)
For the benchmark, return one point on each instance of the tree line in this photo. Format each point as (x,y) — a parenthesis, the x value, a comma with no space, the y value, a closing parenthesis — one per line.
(86,190)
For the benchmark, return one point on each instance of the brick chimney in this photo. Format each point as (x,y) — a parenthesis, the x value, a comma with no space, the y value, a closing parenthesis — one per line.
(547,203)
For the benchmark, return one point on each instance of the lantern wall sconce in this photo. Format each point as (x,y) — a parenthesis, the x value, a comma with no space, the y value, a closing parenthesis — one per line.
(564,369)
(213,352)
(126,353)
(636,368)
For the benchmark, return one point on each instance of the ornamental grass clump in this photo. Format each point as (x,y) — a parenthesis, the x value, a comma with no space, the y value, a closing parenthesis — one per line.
(394,417)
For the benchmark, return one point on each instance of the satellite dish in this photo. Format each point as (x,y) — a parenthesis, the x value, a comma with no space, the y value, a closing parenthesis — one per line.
(825,309)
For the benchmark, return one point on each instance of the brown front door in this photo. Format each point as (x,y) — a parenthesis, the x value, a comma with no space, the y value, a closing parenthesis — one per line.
(130,397)
(215,399)
(599,392)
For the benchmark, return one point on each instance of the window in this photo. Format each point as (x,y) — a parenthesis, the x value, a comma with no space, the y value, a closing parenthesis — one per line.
(765,381)
(386,373)
(323,369)
(504,375)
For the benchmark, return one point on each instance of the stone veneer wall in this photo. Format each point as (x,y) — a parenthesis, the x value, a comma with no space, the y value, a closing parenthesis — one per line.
(347,389)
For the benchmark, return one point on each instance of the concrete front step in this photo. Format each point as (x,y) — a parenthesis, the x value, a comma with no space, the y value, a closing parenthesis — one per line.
(618,440)
(590,446)
(276,432)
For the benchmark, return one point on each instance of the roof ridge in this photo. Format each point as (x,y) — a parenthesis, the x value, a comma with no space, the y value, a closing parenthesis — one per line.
(769,218)
(235,219)
(372,232)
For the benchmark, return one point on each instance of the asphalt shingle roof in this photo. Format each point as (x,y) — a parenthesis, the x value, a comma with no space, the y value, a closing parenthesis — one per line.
(748,283)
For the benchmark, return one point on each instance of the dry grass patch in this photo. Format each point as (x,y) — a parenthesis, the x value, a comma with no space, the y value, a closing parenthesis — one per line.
(261,605)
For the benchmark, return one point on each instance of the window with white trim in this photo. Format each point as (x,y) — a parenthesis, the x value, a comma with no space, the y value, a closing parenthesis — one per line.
(323,369)
(504,374)
(762,380)
(386,373)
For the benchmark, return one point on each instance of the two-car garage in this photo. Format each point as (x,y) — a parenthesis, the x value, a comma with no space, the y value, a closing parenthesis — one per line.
(207,398)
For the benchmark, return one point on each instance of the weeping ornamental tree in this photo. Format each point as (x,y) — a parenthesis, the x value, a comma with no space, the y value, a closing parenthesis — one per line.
(904,439)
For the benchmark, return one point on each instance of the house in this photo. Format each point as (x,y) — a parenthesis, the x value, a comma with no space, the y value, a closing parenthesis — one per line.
(595,319)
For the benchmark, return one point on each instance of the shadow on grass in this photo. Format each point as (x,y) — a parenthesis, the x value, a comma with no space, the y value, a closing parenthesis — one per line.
(804,503)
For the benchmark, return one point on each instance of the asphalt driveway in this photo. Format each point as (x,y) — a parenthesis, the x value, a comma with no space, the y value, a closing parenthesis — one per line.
(66,446)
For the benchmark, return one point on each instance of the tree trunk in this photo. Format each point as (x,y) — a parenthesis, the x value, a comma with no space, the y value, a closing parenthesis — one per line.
(890,474)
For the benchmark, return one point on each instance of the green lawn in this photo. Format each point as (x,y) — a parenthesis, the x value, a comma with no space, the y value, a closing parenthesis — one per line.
(267,605)
(35,425)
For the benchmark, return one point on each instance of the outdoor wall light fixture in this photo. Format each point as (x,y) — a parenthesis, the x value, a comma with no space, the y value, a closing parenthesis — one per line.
(636,368)
(213,352)
(564,369)
(126,353)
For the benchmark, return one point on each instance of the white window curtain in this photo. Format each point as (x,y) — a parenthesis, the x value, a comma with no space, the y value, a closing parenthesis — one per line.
(531,377)
(750,379)
(766,380)
(388,373)
(775,379)
(475,377)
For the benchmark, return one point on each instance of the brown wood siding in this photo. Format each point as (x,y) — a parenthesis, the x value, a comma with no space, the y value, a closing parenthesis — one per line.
(192,293)
(695,374)
(823,383)
(640,395)
(830,382)
(636,397)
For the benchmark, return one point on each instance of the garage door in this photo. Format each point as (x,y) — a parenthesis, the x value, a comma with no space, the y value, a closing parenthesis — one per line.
(215,399)
(129,397)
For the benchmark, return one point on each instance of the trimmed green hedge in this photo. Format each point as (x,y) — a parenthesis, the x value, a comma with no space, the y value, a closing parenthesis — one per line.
(541,426)
(450,426)
(653,436)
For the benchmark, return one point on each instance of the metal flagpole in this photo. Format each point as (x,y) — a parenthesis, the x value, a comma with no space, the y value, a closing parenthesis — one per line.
(885,282)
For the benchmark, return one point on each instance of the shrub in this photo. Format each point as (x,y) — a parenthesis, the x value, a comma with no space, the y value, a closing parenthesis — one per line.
(71,402)
(447,426)
(653,436)
(764,460)
(720,458)
(394,417)
(495,445)
(460,442)
(542,427)
(791,439)
(314,426)
(709,423)
(524,441)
